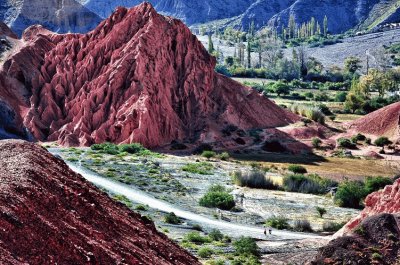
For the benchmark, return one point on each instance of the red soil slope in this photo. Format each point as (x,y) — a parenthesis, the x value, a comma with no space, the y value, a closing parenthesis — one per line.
(51,215)
(138,77)
(383,122)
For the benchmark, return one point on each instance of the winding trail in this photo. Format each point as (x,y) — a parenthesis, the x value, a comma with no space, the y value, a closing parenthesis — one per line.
(141,197)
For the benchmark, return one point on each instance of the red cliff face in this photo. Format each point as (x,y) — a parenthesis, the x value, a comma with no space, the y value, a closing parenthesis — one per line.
(138,77)
(6,31)
(51,215)
(383,201)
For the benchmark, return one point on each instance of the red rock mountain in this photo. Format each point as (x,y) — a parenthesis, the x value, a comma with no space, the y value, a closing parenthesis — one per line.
(138,77)
(51,215)
(6,31)
(383,122)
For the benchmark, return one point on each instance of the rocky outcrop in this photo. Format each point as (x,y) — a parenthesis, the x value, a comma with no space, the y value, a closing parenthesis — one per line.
(66,220)
(375,241)
(57,15)
(383,122)
(138,77)
(383,201)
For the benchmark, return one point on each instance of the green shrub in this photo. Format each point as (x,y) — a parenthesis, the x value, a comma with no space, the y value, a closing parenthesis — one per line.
(224,156)
(246,260)
(332,226)
(302,226)
(254,178)
(382,141)
(313,184)
(278,222)
(246,246)
(216,262)
(197,227)
(216,235)
(141,207)
(341,97)
(345,143)
(350,194)
(316,142)
(202,168)
(321,211)
(218,197)
(297,169)
(205,252)
(196,238)
(123,199)
(208,154)
(171,218)
(373,184)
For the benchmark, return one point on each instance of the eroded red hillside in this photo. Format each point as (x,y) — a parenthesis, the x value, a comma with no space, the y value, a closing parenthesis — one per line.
(383,122)
(51,215)
(138,77)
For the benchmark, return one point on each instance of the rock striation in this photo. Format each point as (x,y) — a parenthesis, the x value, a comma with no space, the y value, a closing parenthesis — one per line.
(137,77)
(66,220)
(383,122)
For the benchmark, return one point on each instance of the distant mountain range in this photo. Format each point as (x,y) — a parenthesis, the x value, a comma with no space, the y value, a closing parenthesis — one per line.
(83,15)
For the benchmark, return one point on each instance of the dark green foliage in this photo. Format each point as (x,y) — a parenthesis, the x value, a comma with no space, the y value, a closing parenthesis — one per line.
(321,211)
(246,246)
(197,227)
(217,197)
(341,97)
(171,218)
(208,154)
(345,143)
(350,194)
(297,169)
(254,178)
(313,184)
(382,141)
(202,168)
(376,183)
(278,222)
(281,88)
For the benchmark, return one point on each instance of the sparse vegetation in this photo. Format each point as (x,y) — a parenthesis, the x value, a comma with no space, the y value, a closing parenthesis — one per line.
(313,184)
(278,222)
(345,143)
(302,226)
(216,235)
(316,142)
(208,154)
(205,252)
(331,226)
(202,168)
(321,211)
(195,237)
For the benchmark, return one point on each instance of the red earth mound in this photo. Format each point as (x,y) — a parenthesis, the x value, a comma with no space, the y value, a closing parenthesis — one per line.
(138,77)
(383,201)
(383,122)
(51,215)
(6,31)
(375,241)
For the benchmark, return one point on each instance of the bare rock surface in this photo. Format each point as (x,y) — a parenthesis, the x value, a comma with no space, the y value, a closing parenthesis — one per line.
(138,77)
(66,220)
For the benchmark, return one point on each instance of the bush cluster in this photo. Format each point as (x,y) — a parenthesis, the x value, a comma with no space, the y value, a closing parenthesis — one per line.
(310,112)
(297,169)
(217,196)
(352,193)
(313,184)
(278,222)
(254,178)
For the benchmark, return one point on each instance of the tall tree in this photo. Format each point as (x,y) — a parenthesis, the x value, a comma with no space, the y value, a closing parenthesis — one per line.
(325,26)
(292,26)
(210,43)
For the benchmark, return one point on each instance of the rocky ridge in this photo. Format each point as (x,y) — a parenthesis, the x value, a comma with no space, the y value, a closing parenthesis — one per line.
(66,220)
(138,77)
